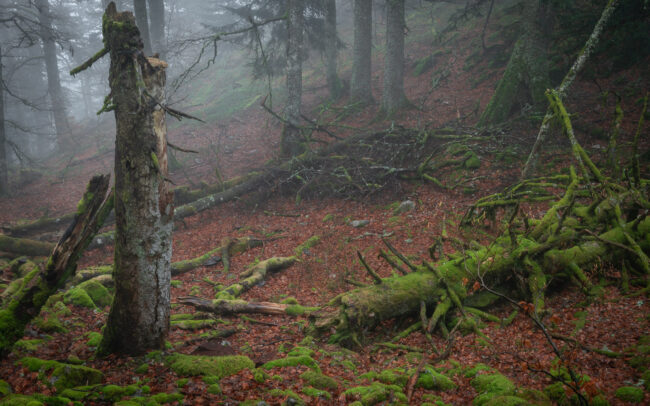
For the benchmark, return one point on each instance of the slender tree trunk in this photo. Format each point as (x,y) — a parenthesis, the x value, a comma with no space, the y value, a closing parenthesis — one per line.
(291,143)
(331,50)
(360,87)
(157,11)
(393,98)
(139,317)
(142,20)
(3,137)
(52,68)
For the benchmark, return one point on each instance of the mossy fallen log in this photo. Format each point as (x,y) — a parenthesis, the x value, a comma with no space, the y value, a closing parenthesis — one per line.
(24,246)
(228,248)
(496,264)
(28,294)
(237,306)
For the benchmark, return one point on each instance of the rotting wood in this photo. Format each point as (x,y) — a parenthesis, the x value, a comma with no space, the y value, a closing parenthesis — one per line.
(27,295)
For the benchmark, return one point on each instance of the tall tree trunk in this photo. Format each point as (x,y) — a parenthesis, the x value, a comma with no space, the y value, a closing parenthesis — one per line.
(360,88)
(527,71)
(52,68)
(139,317)
(3,136)
(157,11)
(291,143)
(393,97)
(331,50)
(142,21)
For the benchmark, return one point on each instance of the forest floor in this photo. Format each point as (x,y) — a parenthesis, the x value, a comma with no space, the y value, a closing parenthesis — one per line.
(613,322)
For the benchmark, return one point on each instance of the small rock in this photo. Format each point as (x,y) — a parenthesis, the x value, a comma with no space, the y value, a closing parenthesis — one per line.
(406,205)
(408,241)
(359,223)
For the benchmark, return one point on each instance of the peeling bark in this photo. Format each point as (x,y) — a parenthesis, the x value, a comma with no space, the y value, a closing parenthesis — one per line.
(139,317)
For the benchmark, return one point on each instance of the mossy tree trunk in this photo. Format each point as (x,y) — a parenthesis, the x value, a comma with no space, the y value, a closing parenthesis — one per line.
(526,77)
(291,143)
(393,97)
(23,299)
(139,317)
(360,89)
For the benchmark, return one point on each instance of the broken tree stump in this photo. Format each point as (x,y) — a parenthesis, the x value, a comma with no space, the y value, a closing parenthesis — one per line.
(27,295)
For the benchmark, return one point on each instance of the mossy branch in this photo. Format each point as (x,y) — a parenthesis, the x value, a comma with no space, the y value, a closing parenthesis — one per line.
(89,62)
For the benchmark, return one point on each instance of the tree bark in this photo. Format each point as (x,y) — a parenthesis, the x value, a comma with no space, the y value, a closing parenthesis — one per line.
(332,50)
(394,98)
(139,317)
(291,144)
(24,298)
(142,21)
(157,11)
(52,68)
(3,137)
(360,85)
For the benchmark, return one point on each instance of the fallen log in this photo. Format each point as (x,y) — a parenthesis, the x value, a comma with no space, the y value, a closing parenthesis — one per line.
(26,296)
(233,306)
(494,265)
(228,248)
(255,275)
(24,246)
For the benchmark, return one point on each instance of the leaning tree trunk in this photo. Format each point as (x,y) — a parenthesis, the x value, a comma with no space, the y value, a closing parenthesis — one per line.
(291,144)
(332,50)
(52,68)
(142,21)
(360,85)
(571,75)
(526,77)
(157,27)
(394,98)
(3,138)
(139,317)
(23,298)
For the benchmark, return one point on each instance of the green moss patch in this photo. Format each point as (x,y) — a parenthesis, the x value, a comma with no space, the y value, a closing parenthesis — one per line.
(316,393)
(319,381)
(94,339)
(434,380)
(630,394)
(61,375)
(491,386)
(220,367)
(5,388)
(376,393)
(193,324)
(291,361)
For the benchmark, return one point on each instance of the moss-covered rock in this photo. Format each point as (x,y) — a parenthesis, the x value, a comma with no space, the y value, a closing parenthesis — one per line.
(60,375)
(431,379)
(319,381)
(376,393)
(630,394)
(506,401)
(29,345)
(316,393)
(491,386)
(21,400)
(94,339)
(79,297)
(191,365)
(98,293)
